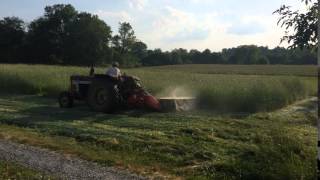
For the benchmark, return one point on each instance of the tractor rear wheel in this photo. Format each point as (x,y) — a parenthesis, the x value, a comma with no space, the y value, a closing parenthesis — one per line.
(65,100)
(102,96)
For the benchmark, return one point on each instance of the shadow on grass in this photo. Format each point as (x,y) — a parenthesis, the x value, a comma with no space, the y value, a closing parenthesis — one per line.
(39,110)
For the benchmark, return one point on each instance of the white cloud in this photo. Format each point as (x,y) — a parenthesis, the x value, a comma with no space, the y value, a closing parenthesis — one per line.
(175,28)
(174,21)
(118,16)
(201,1)
(137,4)
(170,28)
(249,25)
(270,36)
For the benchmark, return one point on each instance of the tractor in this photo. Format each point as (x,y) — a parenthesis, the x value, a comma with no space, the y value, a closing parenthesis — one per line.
(104,94)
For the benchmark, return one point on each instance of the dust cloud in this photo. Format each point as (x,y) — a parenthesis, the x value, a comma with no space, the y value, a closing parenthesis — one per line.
(177,99)
(176,93)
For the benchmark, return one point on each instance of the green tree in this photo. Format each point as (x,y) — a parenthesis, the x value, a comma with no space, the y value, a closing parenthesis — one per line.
(303,24)
(87,41)
(127,49)
(194,55)
(205,57)
(246,54)
(175,57)
(62,35)
(183,55)
(115,40)
(301,56)
(126,37)
(278,55)
(139,49)
(46,34)
(156,58)
(12,35)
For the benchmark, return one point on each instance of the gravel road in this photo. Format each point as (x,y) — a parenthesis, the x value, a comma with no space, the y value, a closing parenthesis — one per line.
(57,164)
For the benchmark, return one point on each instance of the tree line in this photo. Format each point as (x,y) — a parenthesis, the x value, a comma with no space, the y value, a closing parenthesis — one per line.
(62,35)
(245,54)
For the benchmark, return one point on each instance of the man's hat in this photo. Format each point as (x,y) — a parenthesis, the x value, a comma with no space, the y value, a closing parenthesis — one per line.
(115,64)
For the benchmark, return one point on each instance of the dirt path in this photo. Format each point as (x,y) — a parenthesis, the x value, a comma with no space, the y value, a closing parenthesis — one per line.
(58,165)
(308,105)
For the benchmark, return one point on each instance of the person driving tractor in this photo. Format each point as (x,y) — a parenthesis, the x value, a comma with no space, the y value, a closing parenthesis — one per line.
(108,92)
(114,72)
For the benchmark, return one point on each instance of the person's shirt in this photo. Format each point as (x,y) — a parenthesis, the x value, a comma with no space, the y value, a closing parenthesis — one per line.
(114,72)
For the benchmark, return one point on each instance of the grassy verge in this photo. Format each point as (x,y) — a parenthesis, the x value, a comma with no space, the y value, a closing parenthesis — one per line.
(220,92)
(202,145)
(10,170)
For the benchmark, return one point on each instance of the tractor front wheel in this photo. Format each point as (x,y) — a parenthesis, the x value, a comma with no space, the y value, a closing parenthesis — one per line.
(65,100)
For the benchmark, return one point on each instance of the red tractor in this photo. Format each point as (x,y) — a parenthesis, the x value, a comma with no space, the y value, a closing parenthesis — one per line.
(103,94)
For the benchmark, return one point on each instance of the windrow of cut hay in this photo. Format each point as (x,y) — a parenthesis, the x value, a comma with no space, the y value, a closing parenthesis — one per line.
(218,92)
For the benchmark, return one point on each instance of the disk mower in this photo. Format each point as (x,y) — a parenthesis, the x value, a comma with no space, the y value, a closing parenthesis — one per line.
(103,94)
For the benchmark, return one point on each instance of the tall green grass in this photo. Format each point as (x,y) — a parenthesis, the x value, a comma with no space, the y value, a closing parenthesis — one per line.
(220,92)
(36,79)
(259,95)
(297,70)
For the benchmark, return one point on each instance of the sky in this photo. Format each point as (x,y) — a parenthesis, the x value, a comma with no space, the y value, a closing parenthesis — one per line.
(169,24)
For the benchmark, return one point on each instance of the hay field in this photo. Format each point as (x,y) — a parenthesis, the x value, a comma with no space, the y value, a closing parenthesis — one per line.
(259,89)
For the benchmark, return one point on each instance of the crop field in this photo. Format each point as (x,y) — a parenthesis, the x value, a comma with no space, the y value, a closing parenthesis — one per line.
(221,92)
(298,70)
(249,125)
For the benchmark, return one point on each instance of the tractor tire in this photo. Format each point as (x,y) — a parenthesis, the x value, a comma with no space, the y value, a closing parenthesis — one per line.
(65,100)
(102,96)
